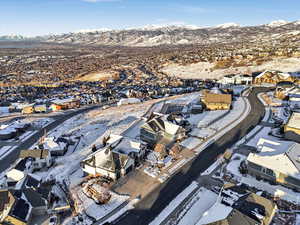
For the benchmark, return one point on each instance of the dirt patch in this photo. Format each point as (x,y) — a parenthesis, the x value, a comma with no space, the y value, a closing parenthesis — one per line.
(98,76)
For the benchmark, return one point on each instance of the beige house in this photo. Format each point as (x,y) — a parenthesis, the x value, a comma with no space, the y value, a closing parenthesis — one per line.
(293,124)
(214,101)
(276,161)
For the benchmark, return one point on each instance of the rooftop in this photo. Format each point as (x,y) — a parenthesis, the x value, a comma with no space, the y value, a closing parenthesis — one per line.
(277,156)
(217,98)
(294,121)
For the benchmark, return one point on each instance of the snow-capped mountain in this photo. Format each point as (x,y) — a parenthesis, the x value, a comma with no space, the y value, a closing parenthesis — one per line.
(173,34)
(15,37)
(277,23)
(228,25)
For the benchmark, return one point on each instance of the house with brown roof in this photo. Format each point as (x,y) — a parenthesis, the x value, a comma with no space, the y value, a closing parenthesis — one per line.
(42,157)
(215,101)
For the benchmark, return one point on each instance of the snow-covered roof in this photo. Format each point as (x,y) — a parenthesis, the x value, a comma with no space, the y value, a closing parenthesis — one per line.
(124,145)
(52,145)
(278,156)
(216,213)
(62,101)
(280,74)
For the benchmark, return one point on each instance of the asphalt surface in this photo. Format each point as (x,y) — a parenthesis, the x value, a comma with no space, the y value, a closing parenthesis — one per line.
(150,206)
(10,158)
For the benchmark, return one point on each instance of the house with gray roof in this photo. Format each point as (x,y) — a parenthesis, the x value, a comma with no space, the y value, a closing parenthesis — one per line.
(278,162)
(116,159)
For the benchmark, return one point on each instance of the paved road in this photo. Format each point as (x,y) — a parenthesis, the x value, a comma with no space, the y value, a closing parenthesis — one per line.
(149,207)
(59,119)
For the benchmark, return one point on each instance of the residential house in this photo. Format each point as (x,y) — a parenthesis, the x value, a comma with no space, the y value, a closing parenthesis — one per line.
(116,159)
(63,104)
(294,99)
(236,206)
(40,108)
(42,157)
(56,146)
(13,130)
(273,77)
(277,162)
(28,109)
(107,163)
(283,88)
(292,128)
(18,211)
(157,128)
(20,205)
(214,101)
(236,79)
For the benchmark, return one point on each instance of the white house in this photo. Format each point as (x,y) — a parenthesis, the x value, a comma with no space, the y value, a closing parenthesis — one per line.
(118,158)
(41,158)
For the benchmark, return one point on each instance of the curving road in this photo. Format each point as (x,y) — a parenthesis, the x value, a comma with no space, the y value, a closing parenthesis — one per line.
(150,206)
(11,157)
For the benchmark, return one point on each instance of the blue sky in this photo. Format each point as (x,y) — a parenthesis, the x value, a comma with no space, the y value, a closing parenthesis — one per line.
(38,17)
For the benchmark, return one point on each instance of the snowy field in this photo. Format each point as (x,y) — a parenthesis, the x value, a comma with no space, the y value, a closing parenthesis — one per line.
(201,70)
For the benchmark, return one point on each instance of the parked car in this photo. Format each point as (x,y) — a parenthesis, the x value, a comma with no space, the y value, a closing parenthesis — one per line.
(53,220)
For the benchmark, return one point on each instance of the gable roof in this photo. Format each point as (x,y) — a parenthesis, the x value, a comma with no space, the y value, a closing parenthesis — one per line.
(282,157)
(158,124)
(109,160)
(34,198)
(21,210)
(217,98)
(247,208)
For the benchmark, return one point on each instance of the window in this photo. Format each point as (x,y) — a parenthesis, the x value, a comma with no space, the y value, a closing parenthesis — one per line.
(147,134)
(292,181)
(254,166)
(268,172)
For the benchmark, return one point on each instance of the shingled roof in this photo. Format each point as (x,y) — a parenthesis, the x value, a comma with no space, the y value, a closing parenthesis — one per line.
(35,153)
(217,98)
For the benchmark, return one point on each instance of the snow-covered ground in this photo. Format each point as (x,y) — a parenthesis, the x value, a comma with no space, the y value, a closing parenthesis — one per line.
(202,69)
(204,119)
(199,204)
(227,122)
(174,203)
(275,190)
(98,211)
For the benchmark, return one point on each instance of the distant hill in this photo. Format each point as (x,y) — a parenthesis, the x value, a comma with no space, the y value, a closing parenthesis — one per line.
(172,35)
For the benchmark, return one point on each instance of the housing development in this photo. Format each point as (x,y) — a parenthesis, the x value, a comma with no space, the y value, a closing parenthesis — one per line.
(140,126)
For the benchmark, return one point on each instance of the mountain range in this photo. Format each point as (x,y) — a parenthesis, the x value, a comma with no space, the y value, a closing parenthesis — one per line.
(155,35)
